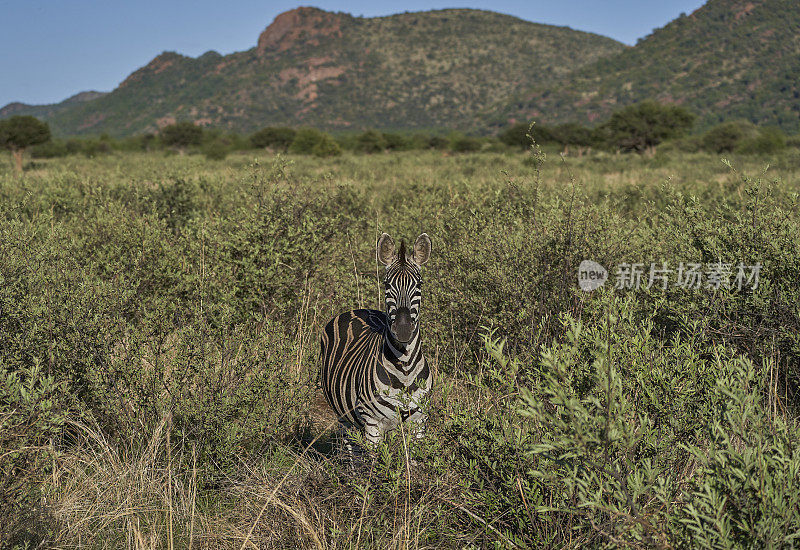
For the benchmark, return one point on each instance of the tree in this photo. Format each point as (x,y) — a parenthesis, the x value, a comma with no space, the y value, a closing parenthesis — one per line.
(723,138)
(395,142)
(572,133)
(275,137)
(466,144)
(326,147)
(520,134)
(642,126)
(437,142)
(181,135)
(371,142)
(216,149)
(767,141)
(20,132)
(516,136)
(305,140)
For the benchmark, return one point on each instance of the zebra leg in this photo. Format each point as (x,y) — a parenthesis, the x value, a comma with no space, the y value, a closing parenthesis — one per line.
(418,424)
(349,448)
(373,431)
(346,445)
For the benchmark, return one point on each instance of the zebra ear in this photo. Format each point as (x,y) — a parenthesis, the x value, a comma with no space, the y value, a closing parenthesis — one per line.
(422,249)
(385,249)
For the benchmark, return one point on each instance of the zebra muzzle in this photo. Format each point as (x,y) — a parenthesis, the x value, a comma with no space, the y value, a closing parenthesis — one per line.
(402,327)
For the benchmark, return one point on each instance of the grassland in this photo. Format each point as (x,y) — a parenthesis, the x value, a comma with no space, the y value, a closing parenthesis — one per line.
(160,318)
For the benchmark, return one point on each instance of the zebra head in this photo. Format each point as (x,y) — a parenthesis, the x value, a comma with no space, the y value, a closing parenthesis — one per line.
(403,283)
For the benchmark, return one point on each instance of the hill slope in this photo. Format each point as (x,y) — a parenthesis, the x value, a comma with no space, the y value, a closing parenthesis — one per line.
(728,59)
(43,111)
(333,70)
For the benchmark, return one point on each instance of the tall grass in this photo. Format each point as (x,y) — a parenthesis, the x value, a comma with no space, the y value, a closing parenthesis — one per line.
(160,320)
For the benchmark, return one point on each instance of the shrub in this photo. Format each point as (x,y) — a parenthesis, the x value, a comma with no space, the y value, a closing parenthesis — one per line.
(466,144)
(438,142)
(370,142)
(605,437)
(216,150)
(146,142)
(181,135)
(516,136)
(279,138)
(725,137)
(326,147)
(94,147)
(395,142)
(170,310)
(643,126)
(686,144)
(767,141)
(31,415)
(305,140)
(74,146)
(569,134)
(50,149)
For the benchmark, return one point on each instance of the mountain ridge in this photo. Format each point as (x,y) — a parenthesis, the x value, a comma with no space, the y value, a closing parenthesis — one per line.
(337,71)
(728,59)
(16,106)
(463,69)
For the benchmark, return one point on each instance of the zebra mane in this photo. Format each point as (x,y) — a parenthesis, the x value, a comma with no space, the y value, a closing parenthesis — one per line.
(401,256)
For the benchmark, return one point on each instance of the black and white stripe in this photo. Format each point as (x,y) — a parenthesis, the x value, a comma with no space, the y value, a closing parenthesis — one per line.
(374,374)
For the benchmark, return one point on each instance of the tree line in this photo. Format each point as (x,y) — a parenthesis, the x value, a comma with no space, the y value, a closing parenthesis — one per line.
(636,128)
(641,127)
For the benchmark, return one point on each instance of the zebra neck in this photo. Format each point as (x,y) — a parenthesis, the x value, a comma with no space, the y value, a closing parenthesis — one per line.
(399,352)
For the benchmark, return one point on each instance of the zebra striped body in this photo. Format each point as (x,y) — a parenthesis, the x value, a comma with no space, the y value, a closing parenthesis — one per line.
(371,384)
(374,374)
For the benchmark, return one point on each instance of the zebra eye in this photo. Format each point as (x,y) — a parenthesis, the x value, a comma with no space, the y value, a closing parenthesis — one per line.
(386,284)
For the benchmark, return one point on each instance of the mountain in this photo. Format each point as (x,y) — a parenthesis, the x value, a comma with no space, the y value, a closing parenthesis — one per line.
(336,71)
(730,59)
(43,111)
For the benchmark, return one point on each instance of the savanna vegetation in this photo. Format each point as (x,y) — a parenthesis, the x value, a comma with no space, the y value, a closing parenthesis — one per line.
(160,316)
(636,128)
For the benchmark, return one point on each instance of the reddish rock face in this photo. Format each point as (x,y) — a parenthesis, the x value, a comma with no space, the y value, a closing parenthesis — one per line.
(288,27)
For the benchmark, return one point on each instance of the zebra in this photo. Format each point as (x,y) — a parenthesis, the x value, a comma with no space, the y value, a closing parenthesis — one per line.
(374,374)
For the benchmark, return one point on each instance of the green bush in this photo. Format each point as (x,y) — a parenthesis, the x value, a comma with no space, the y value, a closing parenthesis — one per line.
(605,437)
(181,135)
(768,141)
(216,150)
(686,144)
(396,142)
(173,307)
(32,415)
(466,144)
(644,125)
(725,137)
(50,149)
(517,136)
(571,134)
(326,147)
(305,140)
(279,138)
(371,142)
(438,142)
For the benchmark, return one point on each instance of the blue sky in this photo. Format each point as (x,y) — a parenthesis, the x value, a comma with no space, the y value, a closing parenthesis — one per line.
(52,49)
